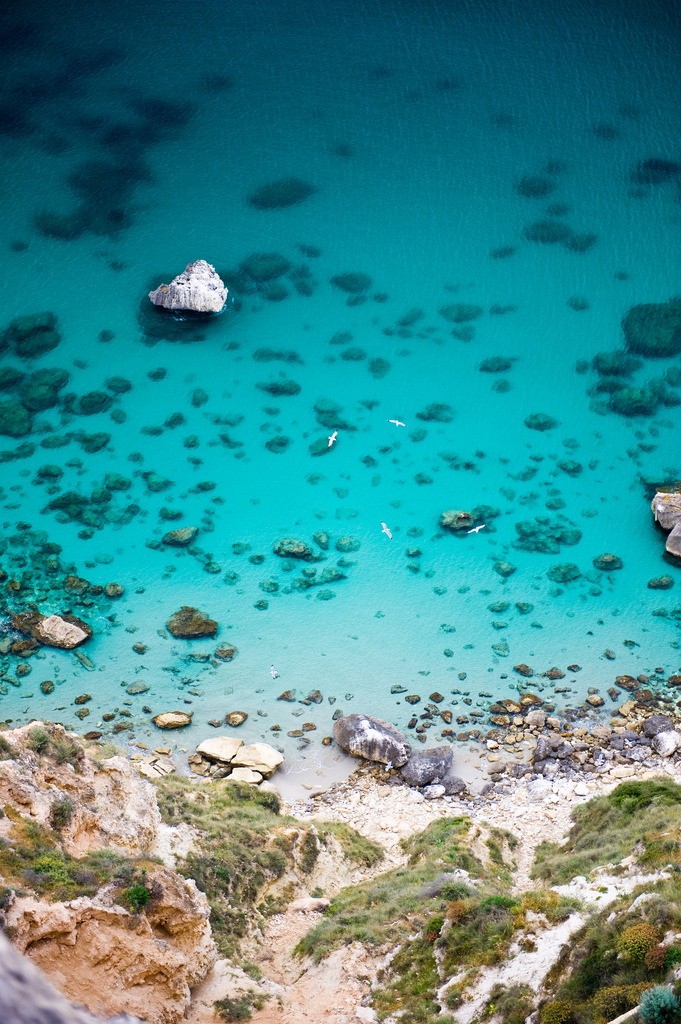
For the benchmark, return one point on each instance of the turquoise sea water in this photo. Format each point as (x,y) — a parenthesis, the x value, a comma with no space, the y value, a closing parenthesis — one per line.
(414,123)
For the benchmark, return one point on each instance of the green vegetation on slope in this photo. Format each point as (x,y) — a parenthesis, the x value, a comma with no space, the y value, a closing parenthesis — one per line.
(31,859)
(469,924)
(607,829)
(620,952)
(245,844)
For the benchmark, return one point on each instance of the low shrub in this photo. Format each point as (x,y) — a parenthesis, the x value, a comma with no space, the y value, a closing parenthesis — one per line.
(240,1007)
(38,740)
(659,1005)
(511,1005)
(61,813)
(558,1011)
(136,897)
(636,941)
(615,1000)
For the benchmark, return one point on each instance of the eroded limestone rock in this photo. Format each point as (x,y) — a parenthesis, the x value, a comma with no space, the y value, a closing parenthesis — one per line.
(197,288)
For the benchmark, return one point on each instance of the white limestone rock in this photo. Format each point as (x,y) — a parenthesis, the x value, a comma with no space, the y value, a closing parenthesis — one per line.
(197,288)
(674,541)
(222,749)
(260,757)
(665,743)
(667,509)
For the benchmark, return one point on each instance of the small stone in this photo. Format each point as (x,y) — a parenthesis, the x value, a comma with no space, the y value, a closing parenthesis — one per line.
(226,653)
(47,686)
(188,623)
(595,700)
(236,718)
(83,698)
(523,670)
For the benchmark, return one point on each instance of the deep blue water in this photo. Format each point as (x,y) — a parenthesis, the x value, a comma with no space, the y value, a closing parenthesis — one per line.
(140,131)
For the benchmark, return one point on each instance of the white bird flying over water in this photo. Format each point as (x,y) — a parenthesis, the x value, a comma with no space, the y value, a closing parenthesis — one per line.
(386,530)
(273,672)
(398,423)
(477,528)
(333,437)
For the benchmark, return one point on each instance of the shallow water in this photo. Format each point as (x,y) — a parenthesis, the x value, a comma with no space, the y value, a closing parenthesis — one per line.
(414,123)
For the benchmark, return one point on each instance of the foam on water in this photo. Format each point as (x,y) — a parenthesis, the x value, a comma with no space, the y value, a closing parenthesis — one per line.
(415,124)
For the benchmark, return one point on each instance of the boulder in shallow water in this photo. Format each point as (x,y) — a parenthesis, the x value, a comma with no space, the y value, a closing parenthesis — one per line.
(425,765)
(673,545)
(64,632)
(197,288)
(172,720)
(372,738)
(189,622)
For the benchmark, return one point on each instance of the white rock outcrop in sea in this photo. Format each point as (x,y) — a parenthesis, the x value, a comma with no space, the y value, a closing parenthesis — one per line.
(666,508)
(197,288)
(372,738)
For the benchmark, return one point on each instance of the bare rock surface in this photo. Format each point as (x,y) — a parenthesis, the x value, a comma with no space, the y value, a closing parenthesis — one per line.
(27,997)
(667,509)
(259,757)
(673,544)
(220,748)
(372,738)
(424,766)
(197,288)
(97,953)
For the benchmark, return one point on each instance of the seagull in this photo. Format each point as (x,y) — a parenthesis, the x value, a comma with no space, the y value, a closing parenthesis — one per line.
(333,437)
(398,423)
(273,672)
(388,766)
(476,529)
(386,530)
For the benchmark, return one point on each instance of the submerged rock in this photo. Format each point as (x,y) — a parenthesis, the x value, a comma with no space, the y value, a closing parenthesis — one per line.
(424,766)
(278,194)
(607,562)
(197,288)
(290,547)
(172,719)
(372,738)
(181,538)
(188,623)
(653,329)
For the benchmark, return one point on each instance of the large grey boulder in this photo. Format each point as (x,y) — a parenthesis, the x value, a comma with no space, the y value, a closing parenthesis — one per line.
(666,743)
(197,288)
(372,738)
(656,724)
(426,765)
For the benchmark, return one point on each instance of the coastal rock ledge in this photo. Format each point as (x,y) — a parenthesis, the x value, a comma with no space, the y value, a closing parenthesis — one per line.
(372,738)
(198,288)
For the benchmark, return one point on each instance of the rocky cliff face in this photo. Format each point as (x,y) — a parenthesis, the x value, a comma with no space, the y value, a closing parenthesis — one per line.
(98,953)
(93,949)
